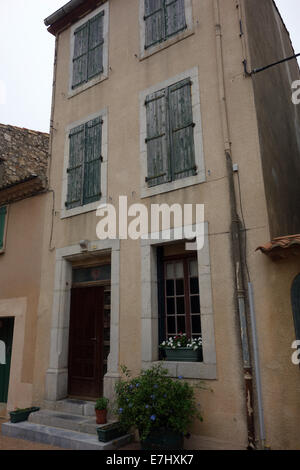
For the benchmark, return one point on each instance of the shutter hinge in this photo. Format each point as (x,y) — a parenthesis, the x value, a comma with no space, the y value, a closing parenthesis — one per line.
(68,170)
(66,204)
(194,124)
(101,158)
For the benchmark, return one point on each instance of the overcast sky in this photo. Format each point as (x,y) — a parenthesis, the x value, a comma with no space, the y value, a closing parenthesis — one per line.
(26,58)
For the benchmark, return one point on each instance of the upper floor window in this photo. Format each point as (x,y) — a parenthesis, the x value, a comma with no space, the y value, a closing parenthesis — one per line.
(3,216)
(171,142)
(163,19)
(89,46)
(170,134)
(88,50)
(84,171)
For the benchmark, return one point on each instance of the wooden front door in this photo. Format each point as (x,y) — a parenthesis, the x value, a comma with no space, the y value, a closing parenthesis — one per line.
(86,342)
(6,339)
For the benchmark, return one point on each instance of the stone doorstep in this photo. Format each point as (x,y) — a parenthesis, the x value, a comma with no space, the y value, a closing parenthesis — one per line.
(72,406)
(58,437)
(72,422)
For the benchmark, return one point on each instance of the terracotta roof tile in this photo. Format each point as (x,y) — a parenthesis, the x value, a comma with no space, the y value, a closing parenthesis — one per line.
(278,246)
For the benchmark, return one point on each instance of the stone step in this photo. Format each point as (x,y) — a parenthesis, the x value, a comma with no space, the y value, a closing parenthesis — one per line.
(58,419)
(72,406)
(58,437)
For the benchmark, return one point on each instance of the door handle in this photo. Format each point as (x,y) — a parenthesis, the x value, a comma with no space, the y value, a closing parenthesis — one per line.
(93,339)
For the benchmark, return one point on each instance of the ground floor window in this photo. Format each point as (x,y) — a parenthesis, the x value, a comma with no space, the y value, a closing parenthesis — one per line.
(178,292)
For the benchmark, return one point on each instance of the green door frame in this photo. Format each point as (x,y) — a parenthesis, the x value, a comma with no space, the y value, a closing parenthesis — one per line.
(6,335)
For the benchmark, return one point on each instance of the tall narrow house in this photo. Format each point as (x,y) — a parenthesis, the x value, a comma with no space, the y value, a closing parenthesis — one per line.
(155,102)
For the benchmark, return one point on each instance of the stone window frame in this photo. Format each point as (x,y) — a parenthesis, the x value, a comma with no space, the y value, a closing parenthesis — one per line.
(145,53)
(104,75)
(206,370)
(57,372)
(65,213)
(3,249)
(200,177)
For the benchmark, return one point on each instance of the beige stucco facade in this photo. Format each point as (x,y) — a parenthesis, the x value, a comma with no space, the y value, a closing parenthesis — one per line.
(215,49)
(20,273)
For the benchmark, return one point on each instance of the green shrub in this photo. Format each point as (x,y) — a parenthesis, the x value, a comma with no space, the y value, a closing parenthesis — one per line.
(154,400)
(101,403)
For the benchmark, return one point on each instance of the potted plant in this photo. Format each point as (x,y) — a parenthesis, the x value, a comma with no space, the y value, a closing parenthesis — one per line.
(21,414)
(161,408)
(183,348)
(101,410)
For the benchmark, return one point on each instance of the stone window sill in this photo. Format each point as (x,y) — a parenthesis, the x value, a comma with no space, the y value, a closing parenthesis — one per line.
(189,370)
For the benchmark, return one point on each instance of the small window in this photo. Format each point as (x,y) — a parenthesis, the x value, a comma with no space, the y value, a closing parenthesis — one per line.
(3,215)
(170,134)
(88,50)
(163,20)
(84,171)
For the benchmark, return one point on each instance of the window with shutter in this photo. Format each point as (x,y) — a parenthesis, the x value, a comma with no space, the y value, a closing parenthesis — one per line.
(170,134)
(157,139)
(88,50)
(84,172)
(182,133)
(92,164)
(3,211)
(163,19)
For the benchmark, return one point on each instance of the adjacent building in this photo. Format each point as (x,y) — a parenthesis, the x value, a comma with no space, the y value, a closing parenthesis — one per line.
(23,184)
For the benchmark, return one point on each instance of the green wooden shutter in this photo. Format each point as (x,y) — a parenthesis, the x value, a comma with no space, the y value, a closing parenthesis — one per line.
(92,162)
(154,22)
(175,17)
(96,40)
(80,57)
(157,139)
(75,170)
(182,130)
(3,211)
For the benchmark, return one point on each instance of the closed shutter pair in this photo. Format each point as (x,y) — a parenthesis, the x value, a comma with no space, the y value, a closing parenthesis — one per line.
(170,134)
(3,211)
(163,19)
(88,50)
(84,172)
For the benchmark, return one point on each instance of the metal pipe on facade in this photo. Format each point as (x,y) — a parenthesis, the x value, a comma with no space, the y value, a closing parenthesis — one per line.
(236,241)
(257,366)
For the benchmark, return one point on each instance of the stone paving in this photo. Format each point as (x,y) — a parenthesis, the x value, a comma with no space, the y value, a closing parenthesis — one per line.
(8,443)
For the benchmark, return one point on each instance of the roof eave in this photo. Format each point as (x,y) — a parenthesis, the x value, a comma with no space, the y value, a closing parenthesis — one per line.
(69,14)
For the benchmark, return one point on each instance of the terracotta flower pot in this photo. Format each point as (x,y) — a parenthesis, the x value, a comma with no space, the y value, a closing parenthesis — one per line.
(101,416)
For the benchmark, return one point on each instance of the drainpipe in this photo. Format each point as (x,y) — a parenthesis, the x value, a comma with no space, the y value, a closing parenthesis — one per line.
(236,239)
(52,129)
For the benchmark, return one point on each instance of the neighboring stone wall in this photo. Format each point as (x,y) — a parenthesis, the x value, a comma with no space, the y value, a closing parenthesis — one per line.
(23,153)
(278,118)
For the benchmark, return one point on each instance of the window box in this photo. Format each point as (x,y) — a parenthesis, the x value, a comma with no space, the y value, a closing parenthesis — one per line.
(21,415)
(184,355)
(109,432)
